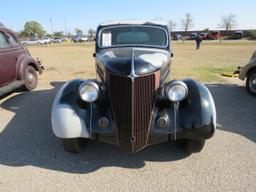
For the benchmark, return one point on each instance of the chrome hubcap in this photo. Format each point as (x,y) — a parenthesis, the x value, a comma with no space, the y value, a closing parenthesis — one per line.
(30,78)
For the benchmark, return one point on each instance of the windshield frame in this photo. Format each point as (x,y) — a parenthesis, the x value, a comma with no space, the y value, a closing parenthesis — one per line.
(133,45)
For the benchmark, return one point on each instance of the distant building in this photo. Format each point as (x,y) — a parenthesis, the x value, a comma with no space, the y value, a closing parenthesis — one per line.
(223,32)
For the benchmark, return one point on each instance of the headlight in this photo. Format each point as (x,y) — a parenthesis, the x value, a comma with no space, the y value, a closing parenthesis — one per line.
(176,91)
(89,91)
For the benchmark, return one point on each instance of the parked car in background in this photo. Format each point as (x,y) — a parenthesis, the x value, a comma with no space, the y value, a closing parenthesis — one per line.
(33,42)
(215,35)
(46,40)
(193,36)
(57,40)
(80,39)
(238,35)
(84,38)
(75,39)
(177,37)
(204,36)
(248,73)
(133,103)
(17,67)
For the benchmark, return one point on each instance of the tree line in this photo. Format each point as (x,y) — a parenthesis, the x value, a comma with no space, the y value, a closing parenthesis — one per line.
(34,29)
(228,22)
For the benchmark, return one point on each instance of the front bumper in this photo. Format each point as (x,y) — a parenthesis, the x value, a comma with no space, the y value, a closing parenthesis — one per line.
(237,71)
(41,67)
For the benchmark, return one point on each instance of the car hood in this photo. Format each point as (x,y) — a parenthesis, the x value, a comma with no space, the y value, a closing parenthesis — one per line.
(133,61)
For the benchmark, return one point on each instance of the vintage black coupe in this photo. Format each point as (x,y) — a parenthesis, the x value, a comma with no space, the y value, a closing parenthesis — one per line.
(133,103)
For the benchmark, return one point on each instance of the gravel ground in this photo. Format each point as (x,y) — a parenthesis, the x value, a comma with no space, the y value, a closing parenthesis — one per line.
(32,159)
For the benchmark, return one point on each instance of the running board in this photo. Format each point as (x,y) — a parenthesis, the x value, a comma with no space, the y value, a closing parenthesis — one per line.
(10,87)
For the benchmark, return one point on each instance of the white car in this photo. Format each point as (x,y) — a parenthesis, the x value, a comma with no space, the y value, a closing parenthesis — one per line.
(46,40)
(84,39)
(32,42)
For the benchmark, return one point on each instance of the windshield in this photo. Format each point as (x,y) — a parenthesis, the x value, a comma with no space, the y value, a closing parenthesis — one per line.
(133,36)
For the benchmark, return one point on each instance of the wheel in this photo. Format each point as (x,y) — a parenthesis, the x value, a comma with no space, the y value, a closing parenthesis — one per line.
(192,145)
(39,43)
(75,145)
(25,44)
(251,83)
(30,78)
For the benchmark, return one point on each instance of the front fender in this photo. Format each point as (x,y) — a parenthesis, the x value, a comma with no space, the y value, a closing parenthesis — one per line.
(247,68)
(23,61)
(197,114)
(68,119)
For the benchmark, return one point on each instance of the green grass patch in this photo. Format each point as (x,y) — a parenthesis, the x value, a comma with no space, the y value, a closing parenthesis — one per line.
(212,74)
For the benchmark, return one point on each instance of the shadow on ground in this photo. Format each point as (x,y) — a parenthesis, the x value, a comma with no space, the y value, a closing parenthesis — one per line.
(236,109)
(28,138)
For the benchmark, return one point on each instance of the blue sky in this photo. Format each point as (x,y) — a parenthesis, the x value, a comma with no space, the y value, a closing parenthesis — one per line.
(85,14)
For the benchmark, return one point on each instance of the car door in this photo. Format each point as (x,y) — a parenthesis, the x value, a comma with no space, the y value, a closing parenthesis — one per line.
(16,50)
(7,61)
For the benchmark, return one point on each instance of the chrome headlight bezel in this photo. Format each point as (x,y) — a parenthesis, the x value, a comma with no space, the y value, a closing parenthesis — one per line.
(89,91)
(176,91)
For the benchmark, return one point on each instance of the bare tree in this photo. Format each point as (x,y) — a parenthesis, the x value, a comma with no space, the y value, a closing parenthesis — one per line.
(228,22)
(172,25)
(187,22)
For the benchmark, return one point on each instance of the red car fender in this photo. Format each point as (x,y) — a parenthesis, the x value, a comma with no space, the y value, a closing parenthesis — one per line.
(23,61)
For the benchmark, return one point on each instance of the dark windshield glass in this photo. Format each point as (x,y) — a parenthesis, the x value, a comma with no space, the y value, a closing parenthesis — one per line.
(133,35)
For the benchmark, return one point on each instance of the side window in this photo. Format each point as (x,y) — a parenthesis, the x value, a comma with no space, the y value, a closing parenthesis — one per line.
(13,40)
(3,41)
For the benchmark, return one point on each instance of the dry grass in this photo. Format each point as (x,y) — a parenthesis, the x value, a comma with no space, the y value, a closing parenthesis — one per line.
(213,58)
(66,62)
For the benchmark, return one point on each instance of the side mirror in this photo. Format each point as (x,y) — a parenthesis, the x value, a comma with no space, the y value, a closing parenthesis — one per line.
(94,55)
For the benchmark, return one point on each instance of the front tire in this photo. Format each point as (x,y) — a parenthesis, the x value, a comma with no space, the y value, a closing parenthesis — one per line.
(30,78)
(251,83)
(75,145)
(192,145)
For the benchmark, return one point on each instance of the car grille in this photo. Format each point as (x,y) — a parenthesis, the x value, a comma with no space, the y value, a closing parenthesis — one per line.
(132,104)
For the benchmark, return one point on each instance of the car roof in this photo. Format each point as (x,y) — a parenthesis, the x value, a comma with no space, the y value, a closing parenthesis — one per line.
(133,22)
(5,28)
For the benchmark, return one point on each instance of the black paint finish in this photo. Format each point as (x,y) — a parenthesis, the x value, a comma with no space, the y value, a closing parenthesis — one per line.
(145,60)
(197,118)
(196,114)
